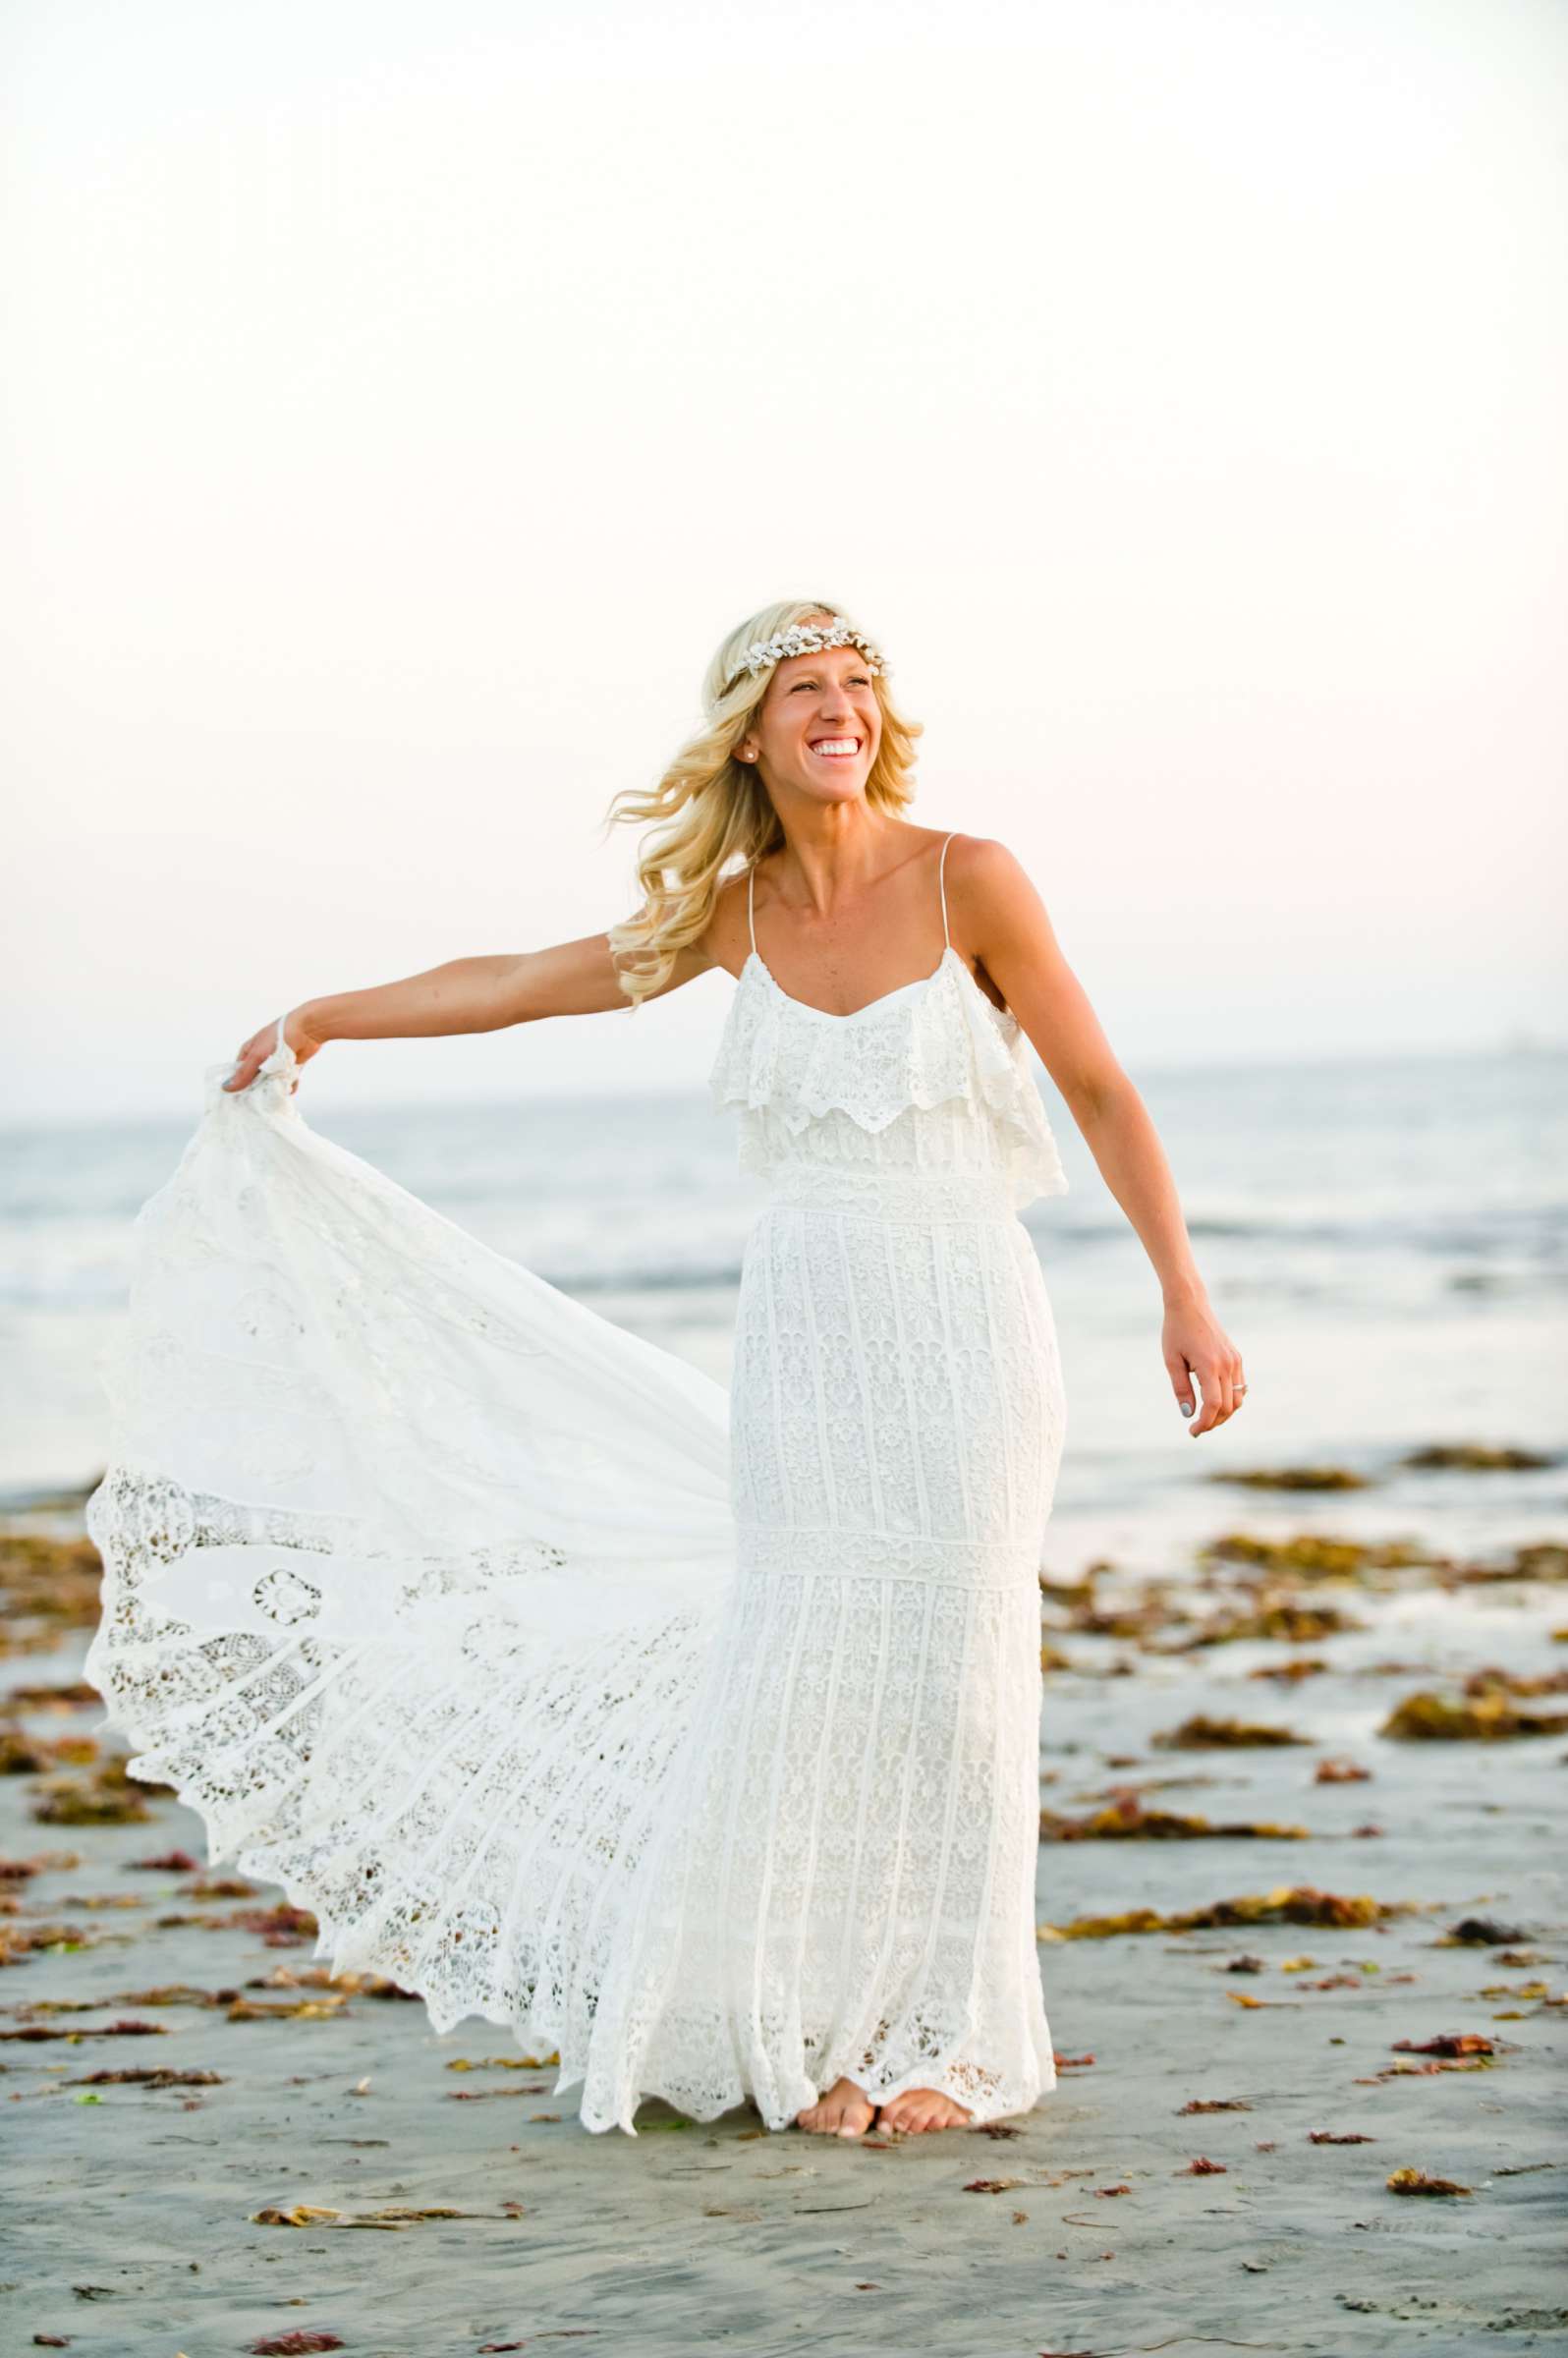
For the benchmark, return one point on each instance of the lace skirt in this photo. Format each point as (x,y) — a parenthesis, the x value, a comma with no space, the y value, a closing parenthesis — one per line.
(842,1880)
(847,1884)
(694,1736)
(844,1885)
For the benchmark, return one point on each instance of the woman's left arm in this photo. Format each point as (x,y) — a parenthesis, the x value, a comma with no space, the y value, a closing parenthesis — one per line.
(997,911)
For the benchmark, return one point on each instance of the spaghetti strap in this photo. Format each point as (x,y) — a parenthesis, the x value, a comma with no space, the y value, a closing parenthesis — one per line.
(942,887)
(751,896)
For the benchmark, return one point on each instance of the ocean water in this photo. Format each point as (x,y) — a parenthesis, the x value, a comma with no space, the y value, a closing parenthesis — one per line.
(1385,1241)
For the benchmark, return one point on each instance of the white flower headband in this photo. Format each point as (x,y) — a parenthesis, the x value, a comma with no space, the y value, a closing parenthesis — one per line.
(805,639)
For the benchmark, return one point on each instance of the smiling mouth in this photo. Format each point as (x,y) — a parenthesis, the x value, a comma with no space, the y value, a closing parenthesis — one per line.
(835,749)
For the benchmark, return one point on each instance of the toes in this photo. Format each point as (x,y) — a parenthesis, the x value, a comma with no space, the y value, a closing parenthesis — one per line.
(836,2117)
(913,2115)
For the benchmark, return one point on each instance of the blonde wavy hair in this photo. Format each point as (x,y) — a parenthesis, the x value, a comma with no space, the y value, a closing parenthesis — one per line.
(714,809)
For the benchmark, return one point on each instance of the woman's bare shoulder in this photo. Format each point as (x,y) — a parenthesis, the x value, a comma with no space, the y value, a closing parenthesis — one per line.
(725,940)
(994,908)
(986,872)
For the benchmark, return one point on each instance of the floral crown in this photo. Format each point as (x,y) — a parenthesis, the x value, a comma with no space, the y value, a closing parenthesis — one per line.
(804,639)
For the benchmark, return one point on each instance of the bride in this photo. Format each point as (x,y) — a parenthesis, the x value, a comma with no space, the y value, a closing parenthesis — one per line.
(690,1732)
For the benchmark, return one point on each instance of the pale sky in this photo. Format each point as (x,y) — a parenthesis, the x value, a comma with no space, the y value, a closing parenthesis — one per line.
(402,400)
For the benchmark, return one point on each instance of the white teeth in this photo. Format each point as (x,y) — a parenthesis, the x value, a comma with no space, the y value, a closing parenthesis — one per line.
(837,745)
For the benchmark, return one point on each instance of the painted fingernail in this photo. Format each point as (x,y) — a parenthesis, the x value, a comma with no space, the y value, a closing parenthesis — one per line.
(1187,1408)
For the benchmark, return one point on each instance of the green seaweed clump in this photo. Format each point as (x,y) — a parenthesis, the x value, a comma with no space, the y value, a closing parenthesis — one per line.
(1297,1903)
(1127,1820)
(1293,1478)
(1476,1457)
(1203,1733)
(45,1585)
(108,1797)
(1488,1718)
(1283,1617)
(1314,1555)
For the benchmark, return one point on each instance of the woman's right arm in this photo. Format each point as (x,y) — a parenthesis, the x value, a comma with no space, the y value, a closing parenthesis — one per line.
(466,994)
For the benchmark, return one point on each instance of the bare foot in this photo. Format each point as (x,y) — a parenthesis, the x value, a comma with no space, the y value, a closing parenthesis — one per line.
(845,2111)
(921,2108)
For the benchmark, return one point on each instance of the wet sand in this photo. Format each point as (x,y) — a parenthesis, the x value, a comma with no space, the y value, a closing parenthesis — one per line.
(463,2208)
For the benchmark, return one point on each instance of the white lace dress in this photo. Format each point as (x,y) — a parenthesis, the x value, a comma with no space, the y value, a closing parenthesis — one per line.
(695,1737)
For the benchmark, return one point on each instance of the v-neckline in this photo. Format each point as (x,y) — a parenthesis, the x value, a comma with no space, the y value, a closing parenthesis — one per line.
(900,990)
(829,1015)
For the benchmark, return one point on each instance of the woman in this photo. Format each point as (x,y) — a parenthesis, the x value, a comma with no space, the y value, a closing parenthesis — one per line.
(695,1736)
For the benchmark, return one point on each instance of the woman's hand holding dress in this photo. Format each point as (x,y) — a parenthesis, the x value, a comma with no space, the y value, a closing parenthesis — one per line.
(260,1044)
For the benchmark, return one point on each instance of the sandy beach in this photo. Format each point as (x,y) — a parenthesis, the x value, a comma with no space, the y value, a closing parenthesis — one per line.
(1365,1978)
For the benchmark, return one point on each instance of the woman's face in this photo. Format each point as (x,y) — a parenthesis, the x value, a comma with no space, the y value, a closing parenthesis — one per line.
(818,727)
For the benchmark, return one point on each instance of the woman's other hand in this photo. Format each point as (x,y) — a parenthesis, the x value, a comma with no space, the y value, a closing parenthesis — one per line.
(1195,1345)
(260,1044)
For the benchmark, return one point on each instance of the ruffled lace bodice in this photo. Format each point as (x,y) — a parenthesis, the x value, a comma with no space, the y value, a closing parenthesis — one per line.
(931,1079)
